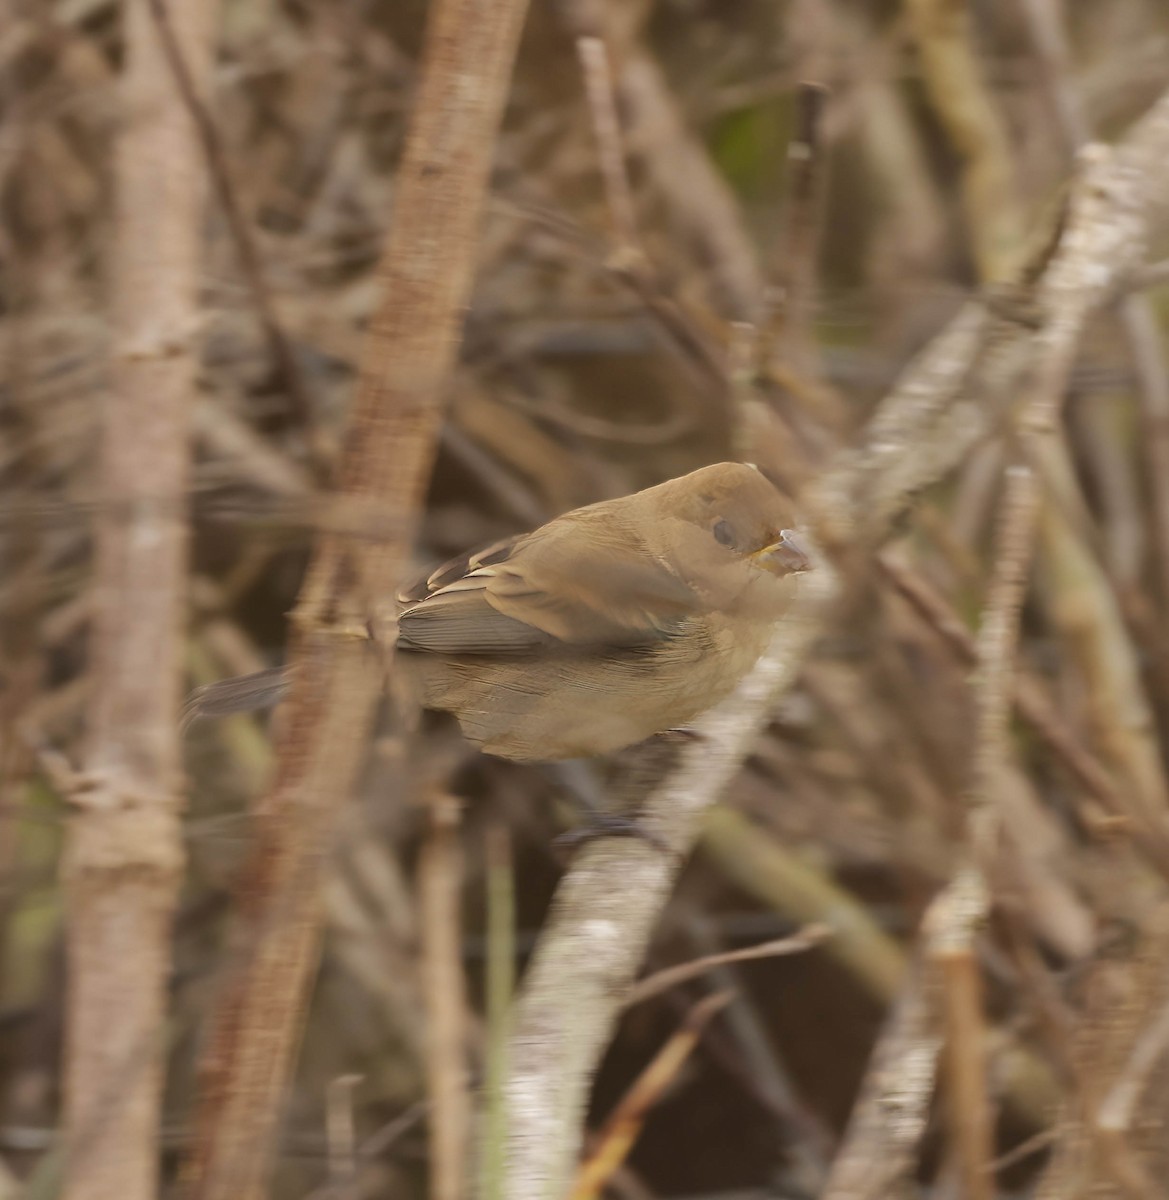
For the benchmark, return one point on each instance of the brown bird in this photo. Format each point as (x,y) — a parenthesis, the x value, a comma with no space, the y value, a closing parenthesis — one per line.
(606,626)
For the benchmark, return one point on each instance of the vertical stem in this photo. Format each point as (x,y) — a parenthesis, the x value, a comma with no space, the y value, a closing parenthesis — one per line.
(943,32)
(124,856)
(968,1103)
(440,886)
(598,79)
(792,334)
(500,985)
(425,274)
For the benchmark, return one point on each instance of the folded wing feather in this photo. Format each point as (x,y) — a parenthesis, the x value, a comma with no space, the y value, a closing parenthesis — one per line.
(542,588)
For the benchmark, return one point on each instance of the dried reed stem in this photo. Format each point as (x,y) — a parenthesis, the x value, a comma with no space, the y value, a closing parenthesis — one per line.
(426,274)
(792,334)
(500,988)
(943,32)
(124,858)
(598,81)
(247,248)
(440,873)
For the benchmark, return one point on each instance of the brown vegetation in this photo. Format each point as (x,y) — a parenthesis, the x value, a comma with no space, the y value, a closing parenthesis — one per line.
(916,293)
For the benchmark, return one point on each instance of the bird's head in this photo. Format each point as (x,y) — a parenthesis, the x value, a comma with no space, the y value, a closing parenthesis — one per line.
(720,518)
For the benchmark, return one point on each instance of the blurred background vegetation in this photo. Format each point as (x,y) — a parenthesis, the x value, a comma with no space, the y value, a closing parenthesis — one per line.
(581,377)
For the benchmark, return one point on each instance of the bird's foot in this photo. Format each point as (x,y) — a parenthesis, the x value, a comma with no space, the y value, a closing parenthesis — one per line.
(681,736)
(604,824)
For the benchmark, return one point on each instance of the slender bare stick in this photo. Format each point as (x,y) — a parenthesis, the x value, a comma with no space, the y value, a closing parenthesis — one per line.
(124,857)
(598,80)
(1070,283)
(971,1127)
(786,352)
(1119,1105)
(997,640)
(283,354)
(943,32)
(500,986)
(426,273)
(440,873)
(663,980)
(614,1140)
(792,332)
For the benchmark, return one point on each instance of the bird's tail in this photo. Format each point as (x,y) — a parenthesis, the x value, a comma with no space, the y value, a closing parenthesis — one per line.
(244,693)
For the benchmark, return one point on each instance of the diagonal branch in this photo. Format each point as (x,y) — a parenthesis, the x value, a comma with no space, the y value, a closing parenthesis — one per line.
(247,248)
(608,902)
(425,276)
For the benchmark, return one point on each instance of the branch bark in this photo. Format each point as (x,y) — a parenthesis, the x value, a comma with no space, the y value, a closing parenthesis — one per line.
(426,274)
(124,857)
(608,902)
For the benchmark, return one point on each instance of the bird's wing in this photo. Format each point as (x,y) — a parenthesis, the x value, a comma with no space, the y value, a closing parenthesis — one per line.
(544,588)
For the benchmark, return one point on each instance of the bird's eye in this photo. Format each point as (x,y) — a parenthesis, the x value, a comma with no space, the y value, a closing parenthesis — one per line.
(723,533)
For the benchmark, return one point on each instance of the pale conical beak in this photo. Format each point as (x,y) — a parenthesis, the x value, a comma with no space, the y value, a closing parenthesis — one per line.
(788,556)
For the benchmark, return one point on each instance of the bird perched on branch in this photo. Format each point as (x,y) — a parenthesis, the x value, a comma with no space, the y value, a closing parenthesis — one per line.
(606,626)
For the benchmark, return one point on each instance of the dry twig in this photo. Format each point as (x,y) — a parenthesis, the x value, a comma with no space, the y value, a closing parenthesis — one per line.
(620,1130)
(440,886)
(283,353)
(426,276)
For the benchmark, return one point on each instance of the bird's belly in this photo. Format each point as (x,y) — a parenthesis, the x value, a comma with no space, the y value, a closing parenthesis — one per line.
(576,717)
(575,707)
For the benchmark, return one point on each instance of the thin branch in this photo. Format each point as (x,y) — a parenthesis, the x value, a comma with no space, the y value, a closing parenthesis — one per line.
(790,332)
(614,1141)
(1117,1109)
(758,864)
(627,260)
(246,245)
(971,1126)
(661,981)
(971,1118)
(998,636)
(500,987)
(598,80)
(425,281)
(784,351)
(370,1150)
(967,1093)
(943,32)
(339,1129)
